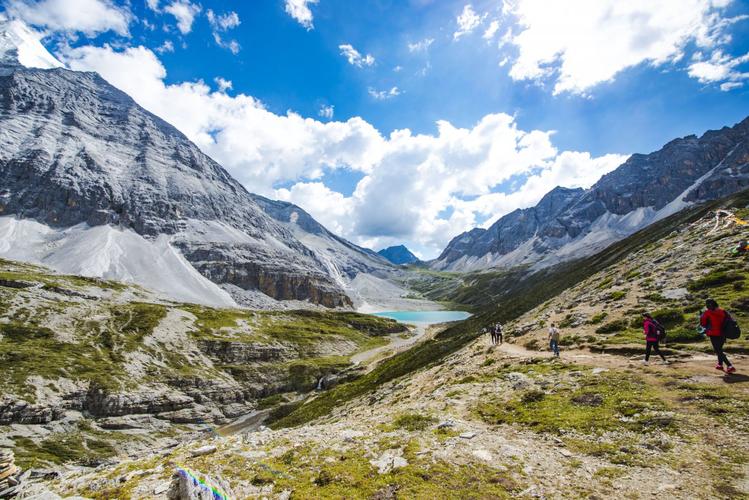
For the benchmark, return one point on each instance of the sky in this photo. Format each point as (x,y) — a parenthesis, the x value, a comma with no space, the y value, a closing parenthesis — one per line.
(411,121)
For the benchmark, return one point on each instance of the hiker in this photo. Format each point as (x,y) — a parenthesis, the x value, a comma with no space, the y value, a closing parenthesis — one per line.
(653,332)
(712,320)
(498,333)
(554,339)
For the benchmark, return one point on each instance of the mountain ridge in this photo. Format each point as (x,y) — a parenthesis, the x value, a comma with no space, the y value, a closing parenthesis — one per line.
(644,189)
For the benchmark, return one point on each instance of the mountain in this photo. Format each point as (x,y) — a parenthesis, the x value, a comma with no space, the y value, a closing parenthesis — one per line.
(398,255)
(93,184)
(570,223)
(473,411)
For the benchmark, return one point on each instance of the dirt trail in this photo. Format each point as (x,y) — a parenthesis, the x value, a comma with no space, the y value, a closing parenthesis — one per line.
(698,363)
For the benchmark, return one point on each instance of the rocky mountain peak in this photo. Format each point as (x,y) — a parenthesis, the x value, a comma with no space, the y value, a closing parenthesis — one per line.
(399,255)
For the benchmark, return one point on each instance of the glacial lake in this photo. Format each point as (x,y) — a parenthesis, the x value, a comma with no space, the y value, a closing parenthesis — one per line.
(424,317)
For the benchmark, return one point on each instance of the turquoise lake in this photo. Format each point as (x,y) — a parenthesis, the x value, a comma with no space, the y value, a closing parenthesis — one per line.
(424,317)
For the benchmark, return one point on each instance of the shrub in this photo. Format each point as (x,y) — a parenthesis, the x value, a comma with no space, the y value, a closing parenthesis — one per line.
(684,335)
(714,279)
(566,322)
(616,295)
(597,318)
(618,325)
(414,421)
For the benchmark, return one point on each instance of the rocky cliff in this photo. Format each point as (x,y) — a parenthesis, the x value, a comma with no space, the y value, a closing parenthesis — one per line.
(570,223)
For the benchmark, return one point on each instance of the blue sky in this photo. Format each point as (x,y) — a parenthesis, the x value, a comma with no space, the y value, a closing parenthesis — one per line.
(527,97)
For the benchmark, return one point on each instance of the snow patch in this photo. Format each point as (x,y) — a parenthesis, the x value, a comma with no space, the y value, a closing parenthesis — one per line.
(110,253)
(18,44)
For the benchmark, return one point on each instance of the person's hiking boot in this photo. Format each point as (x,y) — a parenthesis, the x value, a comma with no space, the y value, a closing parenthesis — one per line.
(719,367)
(644,362)
(730,369)
(665,362)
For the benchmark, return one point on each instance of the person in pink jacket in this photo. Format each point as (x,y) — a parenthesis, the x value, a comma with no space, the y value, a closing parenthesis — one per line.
(650,328)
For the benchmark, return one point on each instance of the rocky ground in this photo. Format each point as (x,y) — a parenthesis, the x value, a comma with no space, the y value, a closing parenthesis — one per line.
(506,421)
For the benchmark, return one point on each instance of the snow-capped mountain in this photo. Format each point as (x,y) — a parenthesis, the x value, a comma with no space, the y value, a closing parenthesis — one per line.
(571,223)
(399,254)
(93,184)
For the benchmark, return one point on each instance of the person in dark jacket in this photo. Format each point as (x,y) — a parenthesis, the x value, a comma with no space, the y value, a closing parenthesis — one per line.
(712,320)
(650,329)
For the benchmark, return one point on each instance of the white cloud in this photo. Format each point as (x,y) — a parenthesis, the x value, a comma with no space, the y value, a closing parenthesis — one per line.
(223,84)
(299,10)
(354,57)
(153,5)
(727,86)
(491,30)
(326,111)
(420,46)
(578,44)
(165,47)
(409,180)
(223,22)
(282,147)
(720,68)
(184,12)
(384,94)
(467,21)
(85,16)
(419,177)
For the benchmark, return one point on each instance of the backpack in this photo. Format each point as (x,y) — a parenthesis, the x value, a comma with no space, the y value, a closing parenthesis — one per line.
(660,331)
(730,328)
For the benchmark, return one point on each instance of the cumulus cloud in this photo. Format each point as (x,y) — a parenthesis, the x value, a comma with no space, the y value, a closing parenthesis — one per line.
(223,84)
(165,47)
(381,95)
(326,111)
(491,30)
(354,57)
(184,12)
(409,181)
(299,10)
(221,23)
(720,68)
(86,16)
(467,21)
(419,178)
(581,43)
(258,147)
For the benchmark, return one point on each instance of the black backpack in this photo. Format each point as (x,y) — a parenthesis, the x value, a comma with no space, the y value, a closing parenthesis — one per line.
(660,331)
(730,328)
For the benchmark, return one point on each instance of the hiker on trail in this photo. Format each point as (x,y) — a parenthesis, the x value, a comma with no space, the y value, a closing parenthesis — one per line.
(653,333)
(498,333)
(712,320)
(554,339)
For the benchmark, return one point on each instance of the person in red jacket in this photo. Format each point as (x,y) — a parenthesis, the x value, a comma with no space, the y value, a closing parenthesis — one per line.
(712,320)
(651,338)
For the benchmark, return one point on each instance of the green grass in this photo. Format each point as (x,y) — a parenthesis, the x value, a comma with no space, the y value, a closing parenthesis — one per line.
(610,402)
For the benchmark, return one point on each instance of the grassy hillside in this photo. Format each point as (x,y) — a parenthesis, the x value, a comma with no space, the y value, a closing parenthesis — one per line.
(516,295)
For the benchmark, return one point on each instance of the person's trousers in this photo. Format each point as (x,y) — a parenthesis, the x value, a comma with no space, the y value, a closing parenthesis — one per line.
(554,346)
(718,343)
(654,346)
